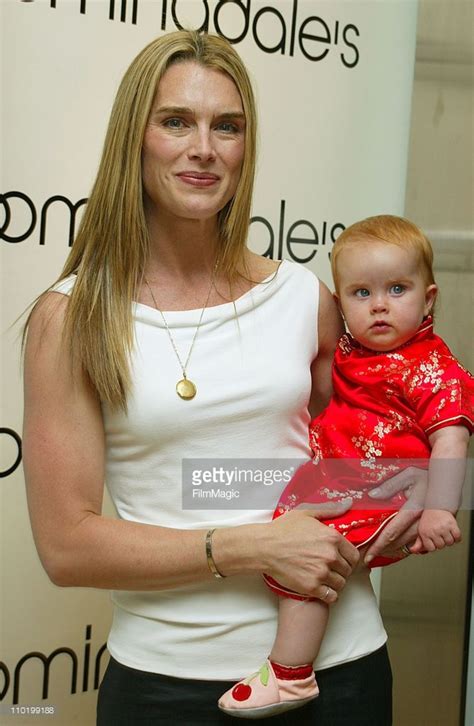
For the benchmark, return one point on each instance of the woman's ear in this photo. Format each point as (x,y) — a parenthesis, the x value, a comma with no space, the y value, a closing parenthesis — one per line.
(338,303)
(430,297)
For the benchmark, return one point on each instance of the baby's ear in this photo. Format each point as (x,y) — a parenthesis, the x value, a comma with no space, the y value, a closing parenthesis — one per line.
(430,297)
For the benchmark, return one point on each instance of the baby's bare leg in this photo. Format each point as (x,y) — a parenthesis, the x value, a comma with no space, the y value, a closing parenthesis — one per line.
(301,628)
(286,680)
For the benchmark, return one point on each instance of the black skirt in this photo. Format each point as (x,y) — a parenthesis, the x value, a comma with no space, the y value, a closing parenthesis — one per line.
(358,693)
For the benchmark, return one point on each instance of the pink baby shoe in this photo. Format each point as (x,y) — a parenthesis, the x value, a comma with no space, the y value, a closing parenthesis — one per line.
(262,694)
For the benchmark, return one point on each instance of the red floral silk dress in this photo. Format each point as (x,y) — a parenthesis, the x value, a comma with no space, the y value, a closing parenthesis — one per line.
(384,407)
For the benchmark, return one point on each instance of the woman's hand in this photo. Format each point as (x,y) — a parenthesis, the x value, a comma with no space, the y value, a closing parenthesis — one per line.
(402,530)
(308,556)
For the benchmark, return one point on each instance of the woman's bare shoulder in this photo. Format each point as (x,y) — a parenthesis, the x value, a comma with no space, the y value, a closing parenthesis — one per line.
(48,314)
(261,267)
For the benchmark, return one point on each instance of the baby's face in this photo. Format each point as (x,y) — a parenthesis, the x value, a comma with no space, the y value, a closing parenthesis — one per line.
(382,293)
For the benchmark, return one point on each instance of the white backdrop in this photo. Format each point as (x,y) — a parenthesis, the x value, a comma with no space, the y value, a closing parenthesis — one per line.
(333,81)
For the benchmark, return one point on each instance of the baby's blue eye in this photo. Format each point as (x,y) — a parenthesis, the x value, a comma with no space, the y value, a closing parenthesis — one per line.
(397,289)
(362,292)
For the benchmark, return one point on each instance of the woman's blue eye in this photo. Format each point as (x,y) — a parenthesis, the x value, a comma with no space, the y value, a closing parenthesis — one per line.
(362,292)
(174,123)
(228,127)
(397,289)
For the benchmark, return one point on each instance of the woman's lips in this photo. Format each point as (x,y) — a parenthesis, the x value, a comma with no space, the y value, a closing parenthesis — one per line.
(198,179)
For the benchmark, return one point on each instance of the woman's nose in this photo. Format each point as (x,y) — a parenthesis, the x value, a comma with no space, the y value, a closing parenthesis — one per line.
(201,146)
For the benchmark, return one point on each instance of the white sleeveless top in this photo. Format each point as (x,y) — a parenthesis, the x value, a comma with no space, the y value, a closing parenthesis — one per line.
(252,372)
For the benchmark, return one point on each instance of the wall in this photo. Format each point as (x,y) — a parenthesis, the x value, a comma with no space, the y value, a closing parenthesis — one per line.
(424,604)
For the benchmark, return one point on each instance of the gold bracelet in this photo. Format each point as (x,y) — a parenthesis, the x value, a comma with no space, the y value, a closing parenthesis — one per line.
(210,559)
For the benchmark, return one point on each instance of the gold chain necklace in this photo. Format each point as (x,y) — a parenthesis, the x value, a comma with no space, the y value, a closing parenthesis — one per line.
(185,388)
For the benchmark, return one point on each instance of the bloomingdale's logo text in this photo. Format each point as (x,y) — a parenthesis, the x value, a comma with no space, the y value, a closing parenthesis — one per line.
(81,666)
(283,27)
(283,235)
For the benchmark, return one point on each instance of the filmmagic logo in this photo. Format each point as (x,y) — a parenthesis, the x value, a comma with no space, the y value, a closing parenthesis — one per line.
(285,27)
(235,483)
(261,484)
(217,475)
(284,236)
(80,667)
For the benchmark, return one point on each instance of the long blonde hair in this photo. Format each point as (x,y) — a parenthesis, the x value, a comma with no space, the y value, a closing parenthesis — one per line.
(111,247)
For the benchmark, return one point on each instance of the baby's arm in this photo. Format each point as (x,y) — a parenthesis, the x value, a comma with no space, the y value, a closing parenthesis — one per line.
(438,527)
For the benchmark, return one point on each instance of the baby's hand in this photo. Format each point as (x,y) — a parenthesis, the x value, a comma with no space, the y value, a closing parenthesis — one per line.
(437,529)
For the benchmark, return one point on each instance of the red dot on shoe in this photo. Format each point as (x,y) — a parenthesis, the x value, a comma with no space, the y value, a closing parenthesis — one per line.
(241,692)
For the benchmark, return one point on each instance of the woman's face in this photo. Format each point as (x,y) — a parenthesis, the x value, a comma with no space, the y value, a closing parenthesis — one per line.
(194,143)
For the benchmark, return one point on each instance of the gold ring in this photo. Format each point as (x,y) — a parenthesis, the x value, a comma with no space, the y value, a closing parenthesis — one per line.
(327,593)
(405,550)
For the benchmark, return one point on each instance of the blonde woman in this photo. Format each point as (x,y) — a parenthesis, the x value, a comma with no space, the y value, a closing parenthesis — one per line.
(162,340)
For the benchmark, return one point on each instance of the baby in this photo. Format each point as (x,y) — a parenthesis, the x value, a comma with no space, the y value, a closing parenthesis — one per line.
(400,399)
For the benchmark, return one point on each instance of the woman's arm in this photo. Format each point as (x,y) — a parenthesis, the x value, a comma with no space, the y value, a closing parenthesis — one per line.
(64,468)
(330,329)
(403,529)
(78,546)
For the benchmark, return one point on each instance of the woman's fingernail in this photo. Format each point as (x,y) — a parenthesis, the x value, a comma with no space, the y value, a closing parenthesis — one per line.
(346,500)
(368,559)
(374,492)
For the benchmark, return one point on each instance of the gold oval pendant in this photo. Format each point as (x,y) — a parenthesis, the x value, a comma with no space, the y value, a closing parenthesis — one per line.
(186,389)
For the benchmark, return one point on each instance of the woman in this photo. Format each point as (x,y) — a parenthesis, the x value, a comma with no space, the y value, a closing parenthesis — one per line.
(117,388)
